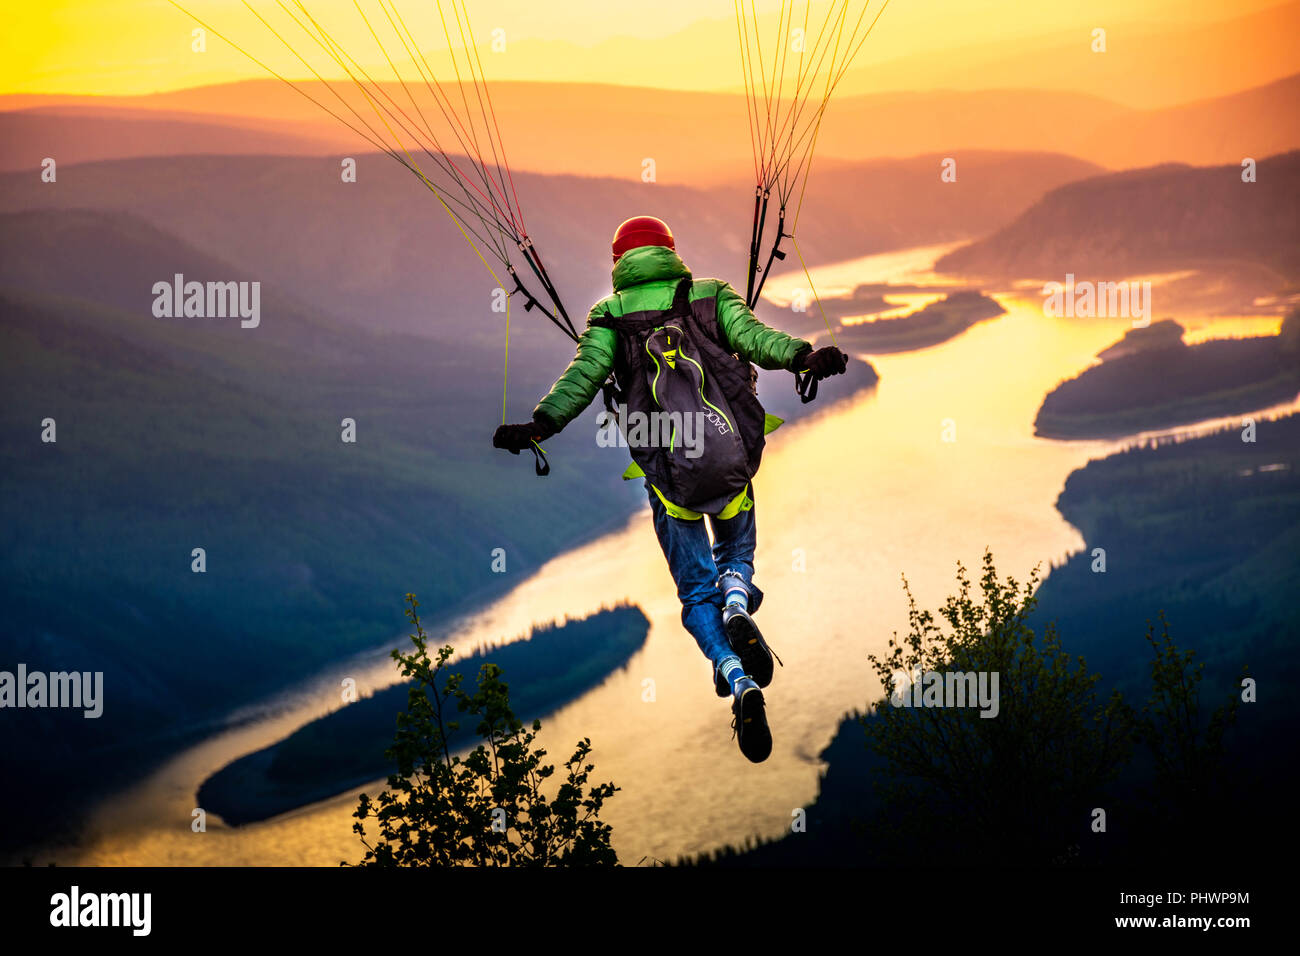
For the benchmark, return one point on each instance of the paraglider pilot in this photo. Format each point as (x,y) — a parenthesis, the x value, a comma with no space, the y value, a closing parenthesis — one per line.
(681,353)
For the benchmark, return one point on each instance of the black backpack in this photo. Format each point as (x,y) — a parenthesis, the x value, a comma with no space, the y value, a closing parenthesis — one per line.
(672,364)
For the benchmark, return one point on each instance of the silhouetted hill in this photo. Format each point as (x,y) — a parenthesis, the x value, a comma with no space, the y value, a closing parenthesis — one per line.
(1149,220)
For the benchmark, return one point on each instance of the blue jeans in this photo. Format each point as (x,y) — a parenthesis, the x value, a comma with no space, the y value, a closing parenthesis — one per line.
(695,566)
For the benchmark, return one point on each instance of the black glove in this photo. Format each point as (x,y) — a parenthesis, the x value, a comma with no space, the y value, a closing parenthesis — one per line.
(515,438)
(823,362)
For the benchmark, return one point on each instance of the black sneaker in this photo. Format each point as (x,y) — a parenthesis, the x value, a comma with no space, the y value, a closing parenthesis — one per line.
(749,721)
(744,637)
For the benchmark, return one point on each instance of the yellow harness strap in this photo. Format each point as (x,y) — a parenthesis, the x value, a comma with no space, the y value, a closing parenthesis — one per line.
(742,502)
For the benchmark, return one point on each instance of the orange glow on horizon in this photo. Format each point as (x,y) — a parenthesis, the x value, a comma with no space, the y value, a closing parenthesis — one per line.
(132,47)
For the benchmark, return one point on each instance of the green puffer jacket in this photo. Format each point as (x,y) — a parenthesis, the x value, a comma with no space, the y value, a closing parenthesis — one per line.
(645,278)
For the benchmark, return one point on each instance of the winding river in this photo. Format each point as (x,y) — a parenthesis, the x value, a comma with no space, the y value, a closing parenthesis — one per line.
(848,500)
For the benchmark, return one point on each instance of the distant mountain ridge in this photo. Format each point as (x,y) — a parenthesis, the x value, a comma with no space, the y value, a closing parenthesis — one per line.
(78,134)
(547,127)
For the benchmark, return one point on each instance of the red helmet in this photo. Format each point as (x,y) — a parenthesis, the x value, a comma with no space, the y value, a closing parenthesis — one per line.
(641,231)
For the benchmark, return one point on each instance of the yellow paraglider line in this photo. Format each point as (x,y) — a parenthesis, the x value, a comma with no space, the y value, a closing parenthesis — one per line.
(438,196)
(774,172)
(411,164)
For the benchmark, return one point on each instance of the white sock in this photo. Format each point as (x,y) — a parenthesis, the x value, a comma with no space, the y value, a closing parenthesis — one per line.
(735,593)
(732,670)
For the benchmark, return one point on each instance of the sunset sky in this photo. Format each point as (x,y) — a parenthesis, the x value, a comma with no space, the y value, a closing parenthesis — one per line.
(139,46)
